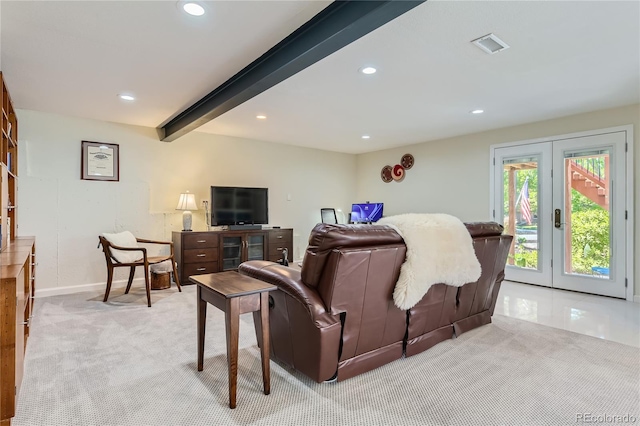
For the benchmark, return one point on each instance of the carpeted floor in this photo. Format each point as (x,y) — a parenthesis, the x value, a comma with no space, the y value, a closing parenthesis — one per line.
(121,363)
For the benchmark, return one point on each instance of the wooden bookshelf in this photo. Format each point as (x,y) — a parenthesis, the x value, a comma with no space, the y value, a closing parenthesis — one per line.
(17,266)
(9,164)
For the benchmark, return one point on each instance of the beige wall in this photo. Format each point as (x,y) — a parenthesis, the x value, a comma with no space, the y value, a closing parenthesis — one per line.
(67,214)
(452,175)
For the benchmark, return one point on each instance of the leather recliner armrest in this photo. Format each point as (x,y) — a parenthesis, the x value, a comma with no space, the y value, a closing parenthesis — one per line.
(484,229)
(289,281)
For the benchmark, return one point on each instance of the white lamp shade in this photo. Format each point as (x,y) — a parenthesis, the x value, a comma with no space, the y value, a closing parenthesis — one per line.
(187,202)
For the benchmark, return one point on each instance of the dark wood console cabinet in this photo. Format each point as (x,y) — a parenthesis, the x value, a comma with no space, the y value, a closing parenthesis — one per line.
(216,251)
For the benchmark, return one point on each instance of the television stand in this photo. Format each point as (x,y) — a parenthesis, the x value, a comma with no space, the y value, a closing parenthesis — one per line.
(209,252)
(244,227)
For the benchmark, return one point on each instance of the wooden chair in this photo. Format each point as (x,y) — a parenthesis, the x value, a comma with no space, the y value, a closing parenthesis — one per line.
(144,261)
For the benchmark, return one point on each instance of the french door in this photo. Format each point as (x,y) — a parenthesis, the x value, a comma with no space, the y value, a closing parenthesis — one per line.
(564,201)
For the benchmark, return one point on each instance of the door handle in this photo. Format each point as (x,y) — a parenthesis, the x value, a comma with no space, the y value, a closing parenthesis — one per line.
(556,218)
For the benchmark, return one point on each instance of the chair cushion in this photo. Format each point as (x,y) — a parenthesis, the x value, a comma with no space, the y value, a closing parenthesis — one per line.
(124,239)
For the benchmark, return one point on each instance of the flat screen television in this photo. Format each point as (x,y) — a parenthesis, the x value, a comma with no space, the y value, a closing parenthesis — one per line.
(232,205)
(366,212)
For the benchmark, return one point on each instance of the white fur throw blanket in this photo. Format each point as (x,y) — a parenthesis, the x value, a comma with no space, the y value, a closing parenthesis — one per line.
(439,250)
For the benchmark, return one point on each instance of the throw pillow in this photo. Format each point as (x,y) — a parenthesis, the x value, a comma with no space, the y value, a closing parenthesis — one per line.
(124,239)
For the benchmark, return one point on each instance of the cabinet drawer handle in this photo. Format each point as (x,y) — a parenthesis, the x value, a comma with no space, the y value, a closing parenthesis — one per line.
(279,237)
(279,249)
(201,269)
(201,255)
(202,241)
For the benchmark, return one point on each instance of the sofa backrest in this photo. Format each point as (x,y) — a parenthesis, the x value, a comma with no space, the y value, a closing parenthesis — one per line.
(484,229)
(354,269)
(444,305)
(492,249)
(343,262)
(324,238)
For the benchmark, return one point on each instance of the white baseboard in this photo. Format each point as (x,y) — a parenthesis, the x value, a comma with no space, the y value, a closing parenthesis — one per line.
(636,298)
(57,291)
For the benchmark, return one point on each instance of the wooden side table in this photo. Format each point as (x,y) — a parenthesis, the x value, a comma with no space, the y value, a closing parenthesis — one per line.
(235,294)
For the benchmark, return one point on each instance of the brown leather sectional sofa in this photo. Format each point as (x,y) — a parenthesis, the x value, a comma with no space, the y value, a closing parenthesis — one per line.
(336,316)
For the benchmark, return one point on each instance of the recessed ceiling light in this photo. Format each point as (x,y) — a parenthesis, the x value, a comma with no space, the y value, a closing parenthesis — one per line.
(193,9)
(261,117)
(477,111)
(368,70)
(366,137)
(127,97)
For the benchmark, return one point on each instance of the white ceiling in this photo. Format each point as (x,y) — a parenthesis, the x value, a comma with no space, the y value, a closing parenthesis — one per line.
(565,58)
(75,57)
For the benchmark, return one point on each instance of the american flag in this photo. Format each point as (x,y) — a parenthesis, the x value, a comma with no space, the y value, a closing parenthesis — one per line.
(525,207)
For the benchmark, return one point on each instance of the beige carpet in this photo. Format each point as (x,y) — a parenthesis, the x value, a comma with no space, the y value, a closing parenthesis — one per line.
(121,363)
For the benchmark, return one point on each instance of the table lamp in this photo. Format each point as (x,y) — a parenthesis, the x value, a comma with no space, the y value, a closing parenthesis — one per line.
(187,202)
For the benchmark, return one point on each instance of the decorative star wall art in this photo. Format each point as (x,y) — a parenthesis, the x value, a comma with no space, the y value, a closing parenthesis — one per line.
(397,172)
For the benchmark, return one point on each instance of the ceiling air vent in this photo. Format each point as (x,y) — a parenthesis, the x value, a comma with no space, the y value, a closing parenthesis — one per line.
(490,43)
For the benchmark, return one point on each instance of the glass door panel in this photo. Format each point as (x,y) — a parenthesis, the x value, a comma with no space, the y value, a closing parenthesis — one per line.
(520,214)
(522,180)
(589,214)
(587,231)
(255,247)
(231,253)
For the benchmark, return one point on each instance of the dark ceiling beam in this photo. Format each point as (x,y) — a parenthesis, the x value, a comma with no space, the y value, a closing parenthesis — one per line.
(339,24)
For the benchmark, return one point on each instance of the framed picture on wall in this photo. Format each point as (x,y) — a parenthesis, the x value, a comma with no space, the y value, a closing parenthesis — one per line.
(100,161)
